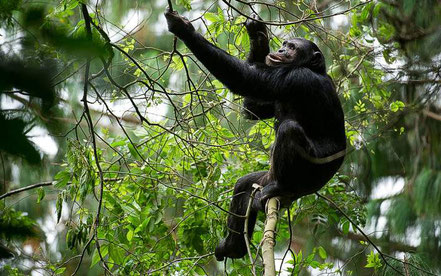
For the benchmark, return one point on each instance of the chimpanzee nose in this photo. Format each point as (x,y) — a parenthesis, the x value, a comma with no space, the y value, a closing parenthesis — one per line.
(281,51)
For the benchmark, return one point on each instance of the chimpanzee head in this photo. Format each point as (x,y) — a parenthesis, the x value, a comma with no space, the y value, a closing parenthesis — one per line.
(298,52)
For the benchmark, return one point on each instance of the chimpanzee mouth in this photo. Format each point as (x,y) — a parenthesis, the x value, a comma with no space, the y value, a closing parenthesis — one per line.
(275,58)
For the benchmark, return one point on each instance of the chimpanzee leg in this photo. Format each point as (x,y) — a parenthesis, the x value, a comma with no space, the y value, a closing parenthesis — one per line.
(289,169)
(233,246)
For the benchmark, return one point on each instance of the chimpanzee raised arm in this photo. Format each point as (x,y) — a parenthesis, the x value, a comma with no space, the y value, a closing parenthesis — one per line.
(257,109)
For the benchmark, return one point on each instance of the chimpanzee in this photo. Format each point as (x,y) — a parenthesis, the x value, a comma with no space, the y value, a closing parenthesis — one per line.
(292,86)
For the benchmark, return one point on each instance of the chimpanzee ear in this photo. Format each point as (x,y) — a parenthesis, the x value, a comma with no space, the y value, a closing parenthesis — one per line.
(317,58)
(318,61)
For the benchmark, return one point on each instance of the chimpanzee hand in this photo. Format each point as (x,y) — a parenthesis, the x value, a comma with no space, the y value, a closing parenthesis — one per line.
(255,28)
(177,24)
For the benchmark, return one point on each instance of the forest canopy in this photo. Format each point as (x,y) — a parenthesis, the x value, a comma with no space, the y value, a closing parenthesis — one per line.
(120,150)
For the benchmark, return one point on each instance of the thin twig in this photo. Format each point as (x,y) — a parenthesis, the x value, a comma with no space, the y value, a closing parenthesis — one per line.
(30,187)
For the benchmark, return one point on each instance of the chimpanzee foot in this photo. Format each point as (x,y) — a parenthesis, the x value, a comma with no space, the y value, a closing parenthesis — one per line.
(234,248)
(286,197)
(271,190)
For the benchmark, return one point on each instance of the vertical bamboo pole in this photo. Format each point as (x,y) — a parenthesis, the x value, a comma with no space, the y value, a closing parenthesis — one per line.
(269,240)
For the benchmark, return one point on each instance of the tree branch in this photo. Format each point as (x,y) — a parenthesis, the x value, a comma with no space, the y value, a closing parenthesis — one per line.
(87,20)
(30,187)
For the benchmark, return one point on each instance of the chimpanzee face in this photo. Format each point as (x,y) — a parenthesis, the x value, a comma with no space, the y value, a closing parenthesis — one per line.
(296,51)
(286,54)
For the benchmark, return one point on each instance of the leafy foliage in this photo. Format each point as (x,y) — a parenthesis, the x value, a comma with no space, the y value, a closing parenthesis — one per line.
(150,145)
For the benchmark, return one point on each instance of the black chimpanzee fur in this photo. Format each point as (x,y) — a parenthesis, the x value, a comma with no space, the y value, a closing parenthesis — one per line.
(292,86)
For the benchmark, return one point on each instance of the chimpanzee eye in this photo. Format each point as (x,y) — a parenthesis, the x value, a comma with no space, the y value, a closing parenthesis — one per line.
(284,43)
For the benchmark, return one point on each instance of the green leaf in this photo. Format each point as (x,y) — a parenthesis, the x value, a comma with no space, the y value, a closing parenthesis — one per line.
(59,206)
(345,227)
(397,106)
(370,265)
(60,270)
(365,13)
(40,194)
(118,143)
(220,14)
(116,253)
(310,257)
(376,10)
(299,257)
(373,260)
(322,253)
(129,235)
(62,178)
(96,257)
(212,17)
(386,31)
(314,264)
(133,151)
(177,63)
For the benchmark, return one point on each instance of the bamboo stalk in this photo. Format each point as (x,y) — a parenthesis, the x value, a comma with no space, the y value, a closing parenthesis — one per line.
(269,240)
